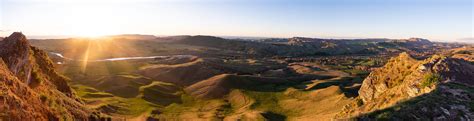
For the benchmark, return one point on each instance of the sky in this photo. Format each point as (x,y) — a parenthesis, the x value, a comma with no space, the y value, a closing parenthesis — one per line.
(439,20)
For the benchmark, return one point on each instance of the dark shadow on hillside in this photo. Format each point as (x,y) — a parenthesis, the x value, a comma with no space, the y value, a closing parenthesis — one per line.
(306,77)
(277,85)
(270,116)
(345,84)
(436,105)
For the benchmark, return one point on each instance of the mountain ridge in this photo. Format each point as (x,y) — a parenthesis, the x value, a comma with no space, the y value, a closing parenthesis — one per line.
(31,88)
(404,79)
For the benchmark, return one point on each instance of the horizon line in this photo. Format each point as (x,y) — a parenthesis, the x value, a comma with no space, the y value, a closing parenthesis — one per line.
(460,40)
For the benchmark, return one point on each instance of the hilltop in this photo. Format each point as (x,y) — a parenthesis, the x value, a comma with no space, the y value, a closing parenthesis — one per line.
(437,88)
(31,88)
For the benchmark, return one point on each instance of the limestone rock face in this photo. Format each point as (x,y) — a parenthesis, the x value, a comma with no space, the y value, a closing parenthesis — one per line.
(404,78)
(389,76)
(406,71)
(15,52)
(30,88)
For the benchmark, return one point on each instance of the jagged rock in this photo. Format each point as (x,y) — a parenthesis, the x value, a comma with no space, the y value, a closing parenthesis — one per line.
(404,78)
(413,91)
(30,87)
(445,111)
(15,52)
(440,118)
(384,78)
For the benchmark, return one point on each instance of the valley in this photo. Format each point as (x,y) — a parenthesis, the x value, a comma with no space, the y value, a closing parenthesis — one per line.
(212,78)
(236,60)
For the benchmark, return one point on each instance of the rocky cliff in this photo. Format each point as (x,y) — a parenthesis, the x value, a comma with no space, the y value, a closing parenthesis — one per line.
(30,87)
(438,88)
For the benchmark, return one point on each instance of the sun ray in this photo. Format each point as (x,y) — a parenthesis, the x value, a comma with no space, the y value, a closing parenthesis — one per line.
(85,60)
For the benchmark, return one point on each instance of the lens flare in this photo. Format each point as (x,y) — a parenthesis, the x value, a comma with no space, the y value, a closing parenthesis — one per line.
(86,57)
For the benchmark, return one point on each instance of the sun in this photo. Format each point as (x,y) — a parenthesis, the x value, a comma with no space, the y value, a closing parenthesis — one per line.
(93,33)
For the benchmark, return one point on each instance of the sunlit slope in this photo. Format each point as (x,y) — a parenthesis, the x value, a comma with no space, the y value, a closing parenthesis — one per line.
(232,97)
(466,53)
(242,104)
(130,93)
(437,88)
(198,69)
(181,74)
(213,78)
(102,48)
(32,89)
(220,85)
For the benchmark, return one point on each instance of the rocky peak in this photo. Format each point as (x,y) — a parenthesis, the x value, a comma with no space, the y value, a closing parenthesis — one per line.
(15,52)
(15,43)
(29,63)
(406,71)
(16,38)
(404,78)
(404,56)
(28,81)
(392,74)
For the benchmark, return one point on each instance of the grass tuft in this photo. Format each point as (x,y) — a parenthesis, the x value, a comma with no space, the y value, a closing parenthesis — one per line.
(430,79)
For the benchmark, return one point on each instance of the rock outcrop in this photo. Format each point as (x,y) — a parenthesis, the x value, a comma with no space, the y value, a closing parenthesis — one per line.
(391,75)
(403,83)
(15,52)
(30,87)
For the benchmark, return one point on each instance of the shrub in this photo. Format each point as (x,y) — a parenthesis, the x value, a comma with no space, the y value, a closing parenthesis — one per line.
(463,52)
(36,79)
(471,105)
(431,79)
(43,98)
(359,102)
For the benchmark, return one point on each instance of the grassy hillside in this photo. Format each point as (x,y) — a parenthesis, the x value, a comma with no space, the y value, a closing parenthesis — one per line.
(211,78)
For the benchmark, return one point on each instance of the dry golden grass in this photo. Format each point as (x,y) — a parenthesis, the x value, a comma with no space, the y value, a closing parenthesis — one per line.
(322,104)
(315,69)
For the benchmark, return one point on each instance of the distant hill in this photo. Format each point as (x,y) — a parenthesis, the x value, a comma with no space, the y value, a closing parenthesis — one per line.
(133,37)
(290,47)
(299,46)
(466,53)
